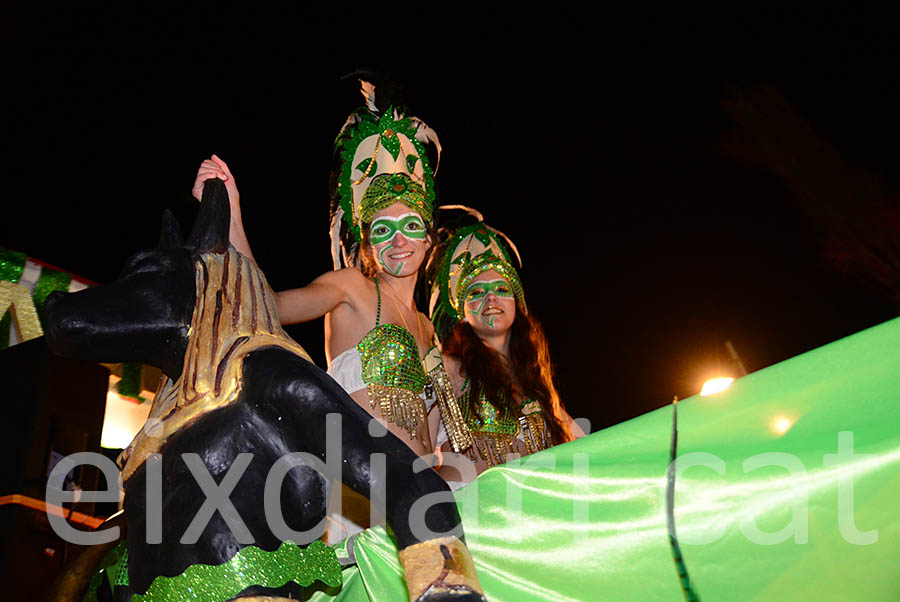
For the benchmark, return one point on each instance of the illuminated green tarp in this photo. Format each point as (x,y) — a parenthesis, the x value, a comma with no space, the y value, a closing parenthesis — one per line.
(766,508)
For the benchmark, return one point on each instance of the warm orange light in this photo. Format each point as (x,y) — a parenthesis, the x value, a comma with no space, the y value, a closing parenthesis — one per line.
(716,385)
(782,424)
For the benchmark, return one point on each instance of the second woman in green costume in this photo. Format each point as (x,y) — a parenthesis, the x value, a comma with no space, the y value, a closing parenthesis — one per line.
(496,355)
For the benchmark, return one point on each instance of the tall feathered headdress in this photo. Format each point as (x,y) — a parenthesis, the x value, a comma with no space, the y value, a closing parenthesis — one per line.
(468,250)
(381,161)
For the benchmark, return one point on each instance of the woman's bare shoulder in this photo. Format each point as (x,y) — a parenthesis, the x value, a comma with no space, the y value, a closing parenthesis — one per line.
(349,275)
(350,280)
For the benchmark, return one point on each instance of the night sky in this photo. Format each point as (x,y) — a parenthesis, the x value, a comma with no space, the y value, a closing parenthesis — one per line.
(599,143)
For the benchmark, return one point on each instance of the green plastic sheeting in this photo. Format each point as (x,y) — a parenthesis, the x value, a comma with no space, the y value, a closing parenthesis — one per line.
(787,488)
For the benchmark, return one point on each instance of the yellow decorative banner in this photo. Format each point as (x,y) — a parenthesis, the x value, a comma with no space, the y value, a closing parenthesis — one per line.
(17,298)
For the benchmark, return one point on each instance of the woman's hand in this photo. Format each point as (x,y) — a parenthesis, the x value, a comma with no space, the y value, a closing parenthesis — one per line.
(214,167)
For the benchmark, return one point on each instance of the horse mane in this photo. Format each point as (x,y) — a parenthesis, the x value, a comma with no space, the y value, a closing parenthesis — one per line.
(234,314)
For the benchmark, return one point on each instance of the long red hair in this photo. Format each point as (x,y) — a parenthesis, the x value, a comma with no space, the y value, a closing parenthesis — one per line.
(528,374)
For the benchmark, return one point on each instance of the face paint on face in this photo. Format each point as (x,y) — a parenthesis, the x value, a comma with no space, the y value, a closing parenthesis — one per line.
(382,235)
(477,296)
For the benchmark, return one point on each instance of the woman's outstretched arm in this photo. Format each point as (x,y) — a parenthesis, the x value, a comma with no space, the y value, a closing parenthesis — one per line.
(296,305)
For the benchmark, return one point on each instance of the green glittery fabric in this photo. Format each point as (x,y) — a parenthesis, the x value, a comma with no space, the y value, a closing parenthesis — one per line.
(385,190)
(12,264)
(108,569)
(483,417)
(122,572)
(131,384)
(250,566)
(217,583)
(50,280)
(390,357)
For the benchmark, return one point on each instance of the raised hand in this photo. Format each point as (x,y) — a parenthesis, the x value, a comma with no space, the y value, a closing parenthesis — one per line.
(214,167)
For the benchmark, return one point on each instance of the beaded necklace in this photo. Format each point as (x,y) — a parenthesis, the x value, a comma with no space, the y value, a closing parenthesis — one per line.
(396,303)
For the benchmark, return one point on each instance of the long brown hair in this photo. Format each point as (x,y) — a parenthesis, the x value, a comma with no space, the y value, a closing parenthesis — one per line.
(528,373)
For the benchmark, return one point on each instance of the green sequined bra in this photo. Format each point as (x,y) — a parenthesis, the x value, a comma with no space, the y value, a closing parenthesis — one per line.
(495,432)
(393,373)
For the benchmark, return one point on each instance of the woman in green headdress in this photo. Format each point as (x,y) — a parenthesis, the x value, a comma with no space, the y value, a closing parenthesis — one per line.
(495,353)
(379,347)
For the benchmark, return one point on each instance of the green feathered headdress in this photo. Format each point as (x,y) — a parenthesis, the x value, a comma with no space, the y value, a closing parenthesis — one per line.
(468,252)
(383,161)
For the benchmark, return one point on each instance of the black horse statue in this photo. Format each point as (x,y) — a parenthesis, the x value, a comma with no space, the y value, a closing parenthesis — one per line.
(241,402)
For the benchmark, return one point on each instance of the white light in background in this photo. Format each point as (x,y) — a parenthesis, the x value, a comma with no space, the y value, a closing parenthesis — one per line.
(782,424)
(716,385)
(122,419)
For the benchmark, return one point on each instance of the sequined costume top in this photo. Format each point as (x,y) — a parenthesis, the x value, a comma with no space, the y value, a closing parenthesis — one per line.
(496,431)
(386,363)
(389,357)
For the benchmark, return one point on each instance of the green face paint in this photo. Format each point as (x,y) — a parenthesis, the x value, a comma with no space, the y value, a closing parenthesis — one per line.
(478,292)
(385,228)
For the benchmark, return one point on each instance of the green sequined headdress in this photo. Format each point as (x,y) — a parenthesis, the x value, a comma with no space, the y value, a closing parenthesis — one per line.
(382,161)
(469,251)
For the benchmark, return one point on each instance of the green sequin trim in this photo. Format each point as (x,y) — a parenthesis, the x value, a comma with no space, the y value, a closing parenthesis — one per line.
(250,566)
(389,357)
(12,264)
(387,127)
(387,189)
(108,569)
(122,573)
(471,269)
(131,384)
(50,280)
(483,417)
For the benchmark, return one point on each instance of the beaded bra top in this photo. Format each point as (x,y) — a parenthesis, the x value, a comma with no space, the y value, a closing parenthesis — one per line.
(393,372)
(390,356)
(495,431)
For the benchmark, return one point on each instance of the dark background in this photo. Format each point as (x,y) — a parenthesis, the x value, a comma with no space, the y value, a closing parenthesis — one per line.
(651,226)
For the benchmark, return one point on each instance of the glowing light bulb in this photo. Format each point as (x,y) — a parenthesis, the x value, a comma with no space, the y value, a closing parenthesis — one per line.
(716,385)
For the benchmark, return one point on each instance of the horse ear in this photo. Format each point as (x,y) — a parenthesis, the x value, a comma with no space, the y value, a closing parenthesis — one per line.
(170,236)
(210,230)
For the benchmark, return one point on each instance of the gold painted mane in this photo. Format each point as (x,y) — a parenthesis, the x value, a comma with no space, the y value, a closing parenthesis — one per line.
(234,314)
